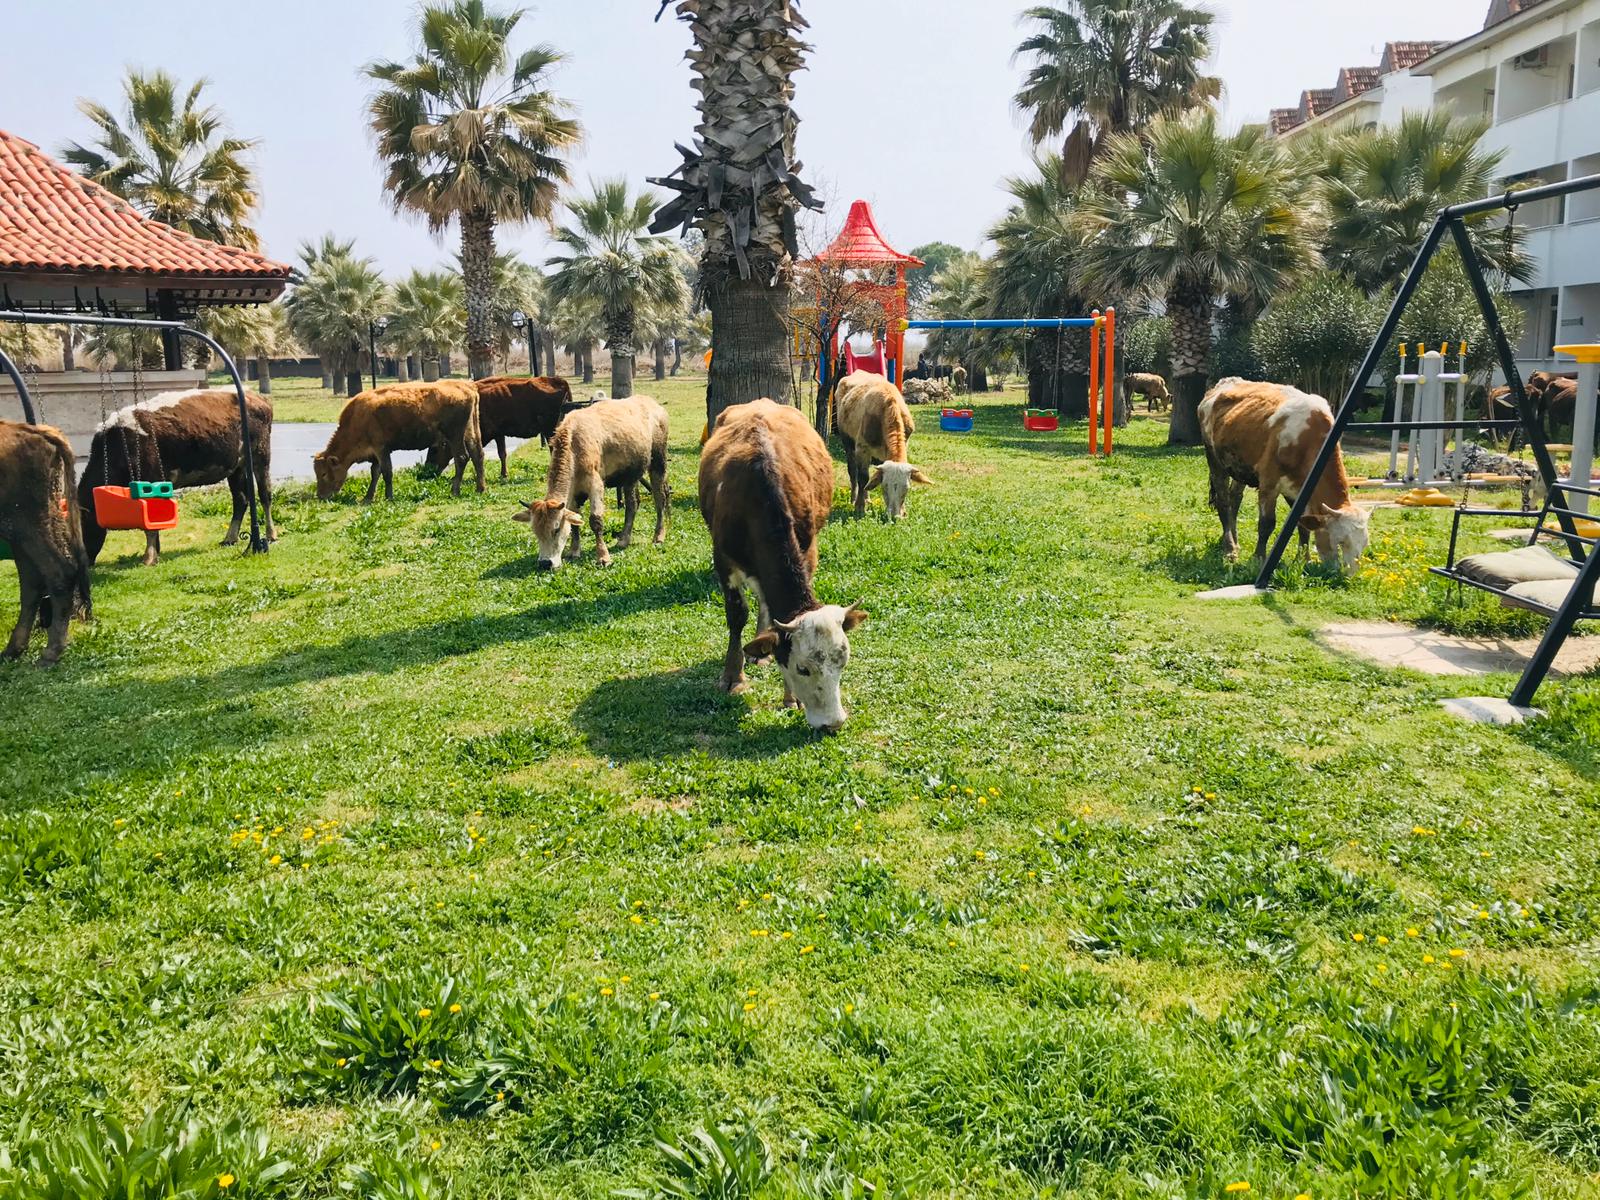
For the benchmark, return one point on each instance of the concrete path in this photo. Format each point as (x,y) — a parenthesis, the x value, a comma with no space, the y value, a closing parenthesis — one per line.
(1434,653)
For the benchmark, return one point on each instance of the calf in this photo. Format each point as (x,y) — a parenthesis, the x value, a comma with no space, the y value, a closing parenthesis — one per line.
(766,486)
(874,424)
(958,379)
(1152,387)
(1266,436)
(520,407)
(41,523)
(402,416)
(188,439)
(611,443)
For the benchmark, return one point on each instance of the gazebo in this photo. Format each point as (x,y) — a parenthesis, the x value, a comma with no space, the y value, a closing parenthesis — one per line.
(69,246)
(860,246)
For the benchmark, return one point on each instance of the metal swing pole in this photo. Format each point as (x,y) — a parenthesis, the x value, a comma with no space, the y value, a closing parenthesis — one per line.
(258,544)
(10,368)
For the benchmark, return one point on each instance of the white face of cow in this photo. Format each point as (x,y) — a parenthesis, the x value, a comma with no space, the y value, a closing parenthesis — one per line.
(896,480)
(812,651)
(549,520)
(1342,537)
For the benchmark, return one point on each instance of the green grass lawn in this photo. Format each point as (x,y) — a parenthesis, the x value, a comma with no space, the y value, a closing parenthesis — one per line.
(386,859)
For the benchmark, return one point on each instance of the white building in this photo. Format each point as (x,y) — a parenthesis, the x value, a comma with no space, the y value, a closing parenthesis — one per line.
(1534,71)
(1362,97)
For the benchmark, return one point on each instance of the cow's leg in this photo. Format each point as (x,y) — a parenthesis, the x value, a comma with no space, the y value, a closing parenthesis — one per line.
(630,507)
(236,487)
(500,448)
(372,484)
(597,521)
(1225,504)
(460,457)
(152,547)
(388,476)
(661,493)
(738,613)
(264,493)
(61,585)
(574,543)
(1266,516)
(31,589)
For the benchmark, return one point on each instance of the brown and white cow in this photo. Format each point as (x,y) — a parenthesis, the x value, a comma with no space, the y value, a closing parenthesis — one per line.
(611,443)
(39,520)
(766,487)
(1266,436)
(188,439)
(875,424)
(1152,387)
(402,416)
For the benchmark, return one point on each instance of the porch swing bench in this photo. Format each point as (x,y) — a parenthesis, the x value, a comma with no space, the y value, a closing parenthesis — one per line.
(1531,577)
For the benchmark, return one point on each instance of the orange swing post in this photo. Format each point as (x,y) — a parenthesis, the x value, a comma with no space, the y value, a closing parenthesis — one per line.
(1108,378)
(1094,384)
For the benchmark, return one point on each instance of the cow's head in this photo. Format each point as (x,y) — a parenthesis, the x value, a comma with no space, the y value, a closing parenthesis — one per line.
(331,473)
(896,480)
(549,520)
(1341,534)
(811,651)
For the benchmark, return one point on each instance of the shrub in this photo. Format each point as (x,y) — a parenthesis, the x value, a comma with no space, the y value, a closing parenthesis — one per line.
(1145,346)
(1315,335)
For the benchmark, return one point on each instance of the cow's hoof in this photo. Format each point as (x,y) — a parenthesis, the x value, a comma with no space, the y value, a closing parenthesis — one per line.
(150,560)
(231,541)
(735,687)
(46,663)
(10,655)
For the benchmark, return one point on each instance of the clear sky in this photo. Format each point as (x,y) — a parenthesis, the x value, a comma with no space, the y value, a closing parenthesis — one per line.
(907,103)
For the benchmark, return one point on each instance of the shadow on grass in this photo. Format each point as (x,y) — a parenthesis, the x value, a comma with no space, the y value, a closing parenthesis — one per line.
(645,716)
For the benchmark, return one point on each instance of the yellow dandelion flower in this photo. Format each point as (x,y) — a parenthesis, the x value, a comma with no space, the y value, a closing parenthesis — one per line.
(638,903)
(119,822)
(1428,958)
(1211,796)
(968,791)
(424,1013)
(983,799)
(857,827)
(978,854)
(455,1008)
(1358,937)
(1412,933)
(758,933)
(750,1006)
(1382,941)
(1023,967)
(849,1008)
(807,949)
(435,1144)
(605,991)
(499,1095)
(786,934)
(655,995)
(275,859)
(636,919)
(625,979)
(436,1063)
(1458,954)
(225,1180)
(1237,1188)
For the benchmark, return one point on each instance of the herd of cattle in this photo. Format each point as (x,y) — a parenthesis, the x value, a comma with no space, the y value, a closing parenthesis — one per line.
(765,488)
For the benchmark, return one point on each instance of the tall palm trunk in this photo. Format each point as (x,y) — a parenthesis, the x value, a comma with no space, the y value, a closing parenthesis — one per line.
(1189,305)
(430,368)
(619,340)
(677,356)
(588,361)
(264,375)
(402,368)
(69,342)
(749,337)
(661,358)
(327,376)
(477,275)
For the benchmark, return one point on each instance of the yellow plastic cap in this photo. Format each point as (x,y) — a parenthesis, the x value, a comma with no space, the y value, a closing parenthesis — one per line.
(1588,353)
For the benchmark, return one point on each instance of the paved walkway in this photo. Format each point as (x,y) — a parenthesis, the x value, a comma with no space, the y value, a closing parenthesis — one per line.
(1434,653)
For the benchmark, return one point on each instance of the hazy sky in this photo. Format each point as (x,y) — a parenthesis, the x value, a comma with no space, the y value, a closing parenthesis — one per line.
(906,103)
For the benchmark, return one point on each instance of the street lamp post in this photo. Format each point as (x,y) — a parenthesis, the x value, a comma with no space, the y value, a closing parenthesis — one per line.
(519,320)
(375,327)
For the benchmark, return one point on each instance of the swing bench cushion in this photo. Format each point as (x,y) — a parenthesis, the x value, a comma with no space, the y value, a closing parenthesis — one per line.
(1508,569)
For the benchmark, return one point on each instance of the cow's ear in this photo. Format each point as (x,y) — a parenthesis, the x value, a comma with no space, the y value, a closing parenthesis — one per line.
(853,616)
(525,515)
(917,476)
(876,480)
(573,518)
(762,646)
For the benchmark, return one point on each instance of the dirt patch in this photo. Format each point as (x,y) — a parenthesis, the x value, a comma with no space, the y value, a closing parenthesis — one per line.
(654,806)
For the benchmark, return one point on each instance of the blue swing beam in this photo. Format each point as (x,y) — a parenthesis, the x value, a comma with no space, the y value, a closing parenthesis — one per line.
(1007,323)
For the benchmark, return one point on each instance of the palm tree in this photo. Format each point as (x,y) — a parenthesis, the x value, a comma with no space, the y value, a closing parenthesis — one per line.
(332,309)
(170,159)
(1105,67)
(1383,189)
(960,292)
(1037,271)
(472,133)
(427,317)
(739,187)
(1190,215)
(518,286)
(312,253)
(611,260)
(260,332)
(577,321)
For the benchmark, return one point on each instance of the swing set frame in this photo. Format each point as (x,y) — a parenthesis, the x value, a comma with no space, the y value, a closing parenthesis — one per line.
(257,543)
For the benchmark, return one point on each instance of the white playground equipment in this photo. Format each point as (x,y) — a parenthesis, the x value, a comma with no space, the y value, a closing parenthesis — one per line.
(1583,421)
(1433,391)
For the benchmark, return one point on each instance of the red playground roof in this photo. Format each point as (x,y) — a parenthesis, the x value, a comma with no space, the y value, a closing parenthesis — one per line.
(859,243)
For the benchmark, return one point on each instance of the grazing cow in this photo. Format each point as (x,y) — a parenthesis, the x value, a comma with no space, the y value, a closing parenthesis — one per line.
(1152,387)
(958,379)
(1553,396)
(611,443)
(1266,436)
(521,407)
(41,523)
(188,439)
(874,424)
(766,486)
(402,416)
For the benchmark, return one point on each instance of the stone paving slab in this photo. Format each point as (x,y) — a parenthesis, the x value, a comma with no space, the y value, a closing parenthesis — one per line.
(1433,653)
(1487,710)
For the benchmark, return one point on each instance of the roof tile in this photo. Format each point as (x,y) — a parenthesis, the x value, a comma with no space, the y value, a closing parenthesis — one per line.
(54,220)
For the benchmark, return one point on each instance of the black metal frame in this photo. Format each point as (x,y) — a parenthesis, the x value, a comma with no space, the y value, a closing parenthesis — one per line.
(1453,221)
(258,543)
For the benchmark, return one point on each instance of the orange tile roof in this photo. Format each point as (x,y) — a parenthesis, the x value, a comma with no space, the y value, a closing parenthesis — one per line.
(1316,100)
(55,222)
(1402,56)
(1355,80)
(1281,120)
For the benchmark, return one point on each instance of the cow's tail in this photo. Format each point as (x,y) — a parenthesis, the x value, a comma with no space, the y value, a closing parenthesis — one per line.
(66,467)
(559,480)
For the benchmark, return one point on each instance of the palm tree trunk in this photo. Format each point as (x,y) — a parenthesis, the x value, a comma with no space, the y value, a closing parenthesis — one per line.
(413,366)
(552,368)
(619,340)
(327,376)
(354,381)
(402,368)
(677,356)
(661,358)
(264,375)
(749,334)
(477,274)
(1190,308)
(68,344)
(588,361)
(430,368)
